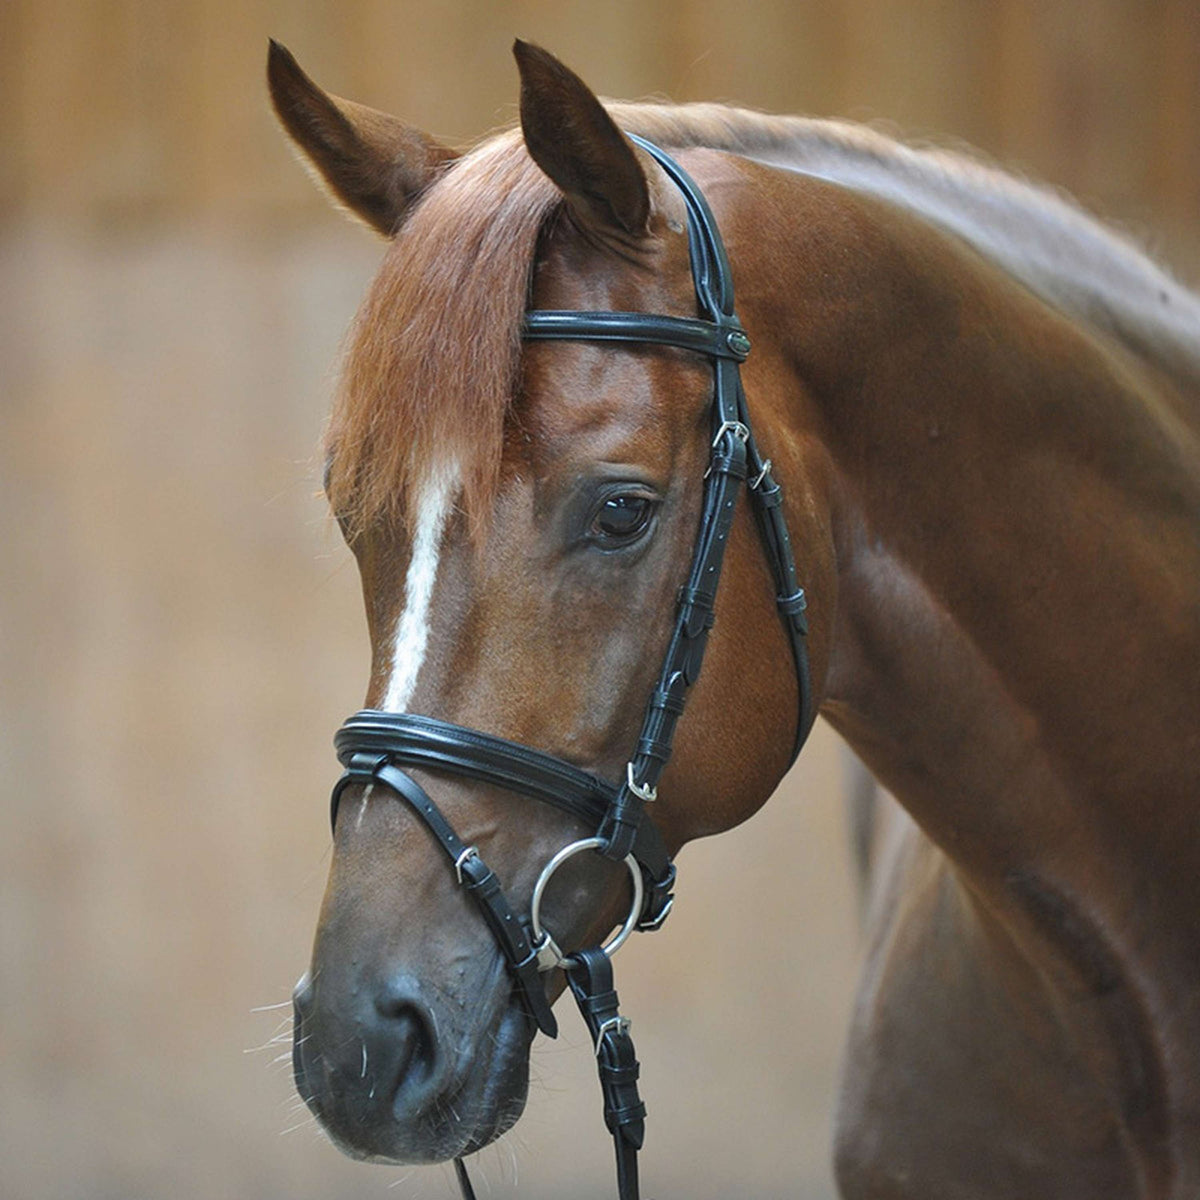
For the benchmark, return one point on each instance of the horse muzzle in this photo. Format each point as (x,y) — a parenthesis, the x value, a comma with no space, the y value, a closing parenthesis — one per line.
(398,1076)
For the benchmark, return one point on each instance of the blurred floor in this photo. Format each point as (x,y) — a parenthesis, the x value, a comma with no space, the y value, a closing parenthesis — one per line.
(180,634)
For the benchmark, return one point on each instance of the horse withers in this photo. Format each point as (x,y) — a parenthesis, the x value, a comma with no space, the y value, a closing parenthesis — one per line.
(984,412)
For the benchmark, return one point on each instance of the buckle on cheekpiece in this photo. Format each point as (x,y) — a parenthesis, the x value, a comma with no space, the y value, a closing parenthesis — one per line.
(642,791)
(739,431)
(660,899)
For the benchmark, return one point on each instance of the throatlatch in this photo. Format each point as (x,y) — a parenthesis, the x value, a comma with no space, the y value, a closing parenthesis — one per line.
(374,746)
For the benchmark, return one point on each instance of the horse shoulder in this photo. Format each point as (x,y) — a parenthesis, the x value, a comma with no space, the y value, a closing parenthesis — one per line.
(965,1069)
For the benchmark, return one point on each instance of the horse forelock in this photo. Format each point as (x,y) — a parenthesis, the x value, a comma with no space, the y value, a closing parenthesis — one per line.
(433,354)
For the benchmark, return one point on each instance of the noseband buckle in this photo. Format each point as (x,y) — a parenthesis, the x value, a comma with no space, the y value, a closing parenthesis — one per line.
(461,861)
(643,791)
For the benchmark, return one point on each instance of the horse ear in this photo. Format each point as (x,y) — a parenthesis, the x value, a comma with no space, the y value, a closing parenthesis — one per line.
(374,164)
(576,143)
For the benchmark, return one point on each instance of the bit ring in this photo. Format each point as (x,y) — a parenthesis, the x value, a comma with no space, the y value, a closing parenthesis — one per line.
(542,938)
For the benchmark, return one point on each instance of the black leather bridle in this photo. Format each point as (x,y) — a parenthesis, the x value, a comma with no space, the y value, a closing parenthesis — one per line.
(375,747)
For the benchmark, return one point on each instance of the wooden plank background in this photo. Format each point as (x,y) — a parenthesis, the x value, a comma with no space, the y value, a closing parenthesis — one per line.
(129,110)
(180,631)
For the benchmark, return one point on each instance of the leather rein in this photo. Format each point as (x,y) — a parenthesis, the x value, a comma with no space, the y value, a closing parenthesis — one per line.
(374,747)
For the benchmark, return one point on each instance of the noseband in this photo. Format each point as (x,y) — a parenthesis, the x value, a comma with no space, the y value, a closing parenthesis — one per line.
(375,747)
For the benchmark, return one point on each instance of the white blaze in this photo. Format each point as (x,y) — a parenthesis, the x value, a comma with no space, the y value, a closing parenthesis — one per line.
(412,629)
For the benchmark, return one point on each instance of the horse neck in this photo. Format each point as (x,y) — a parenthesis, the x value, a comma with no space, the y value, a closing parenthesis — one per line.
(1014,512)
(1042,238)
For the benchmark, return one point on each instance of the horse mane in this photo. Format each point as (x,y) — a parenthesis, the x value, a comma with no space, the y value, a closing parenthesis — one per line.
(432,360)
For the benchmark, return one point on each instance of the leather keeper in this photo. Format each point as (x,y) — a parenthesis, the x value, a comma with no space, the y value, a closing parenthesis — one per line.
(793,607)
(600,1004)
(659,897)
(360,769)
(693,658)
(621,1076)
(696,609)
(479,879)
(620,825)
(768,492)
(729,462)
(655,748)
(629,1121)
(668,700)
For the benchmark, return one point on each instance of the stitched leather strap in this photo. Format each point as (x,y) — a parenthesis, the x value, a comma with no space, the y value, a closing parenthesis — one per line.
(714,291)
(418,741)
(685,651)
(464,1180)
(767,499)
(733,452)
(724,339)
(591,981)
(366,767)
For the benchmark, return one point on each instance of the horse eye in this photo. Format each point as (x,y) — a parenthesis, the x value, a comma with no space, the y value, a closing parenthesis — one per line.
(621,519)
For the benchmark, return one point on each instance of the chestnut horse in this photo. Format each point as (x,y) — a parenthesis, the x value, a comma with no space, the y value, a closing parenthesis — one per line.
(984,409)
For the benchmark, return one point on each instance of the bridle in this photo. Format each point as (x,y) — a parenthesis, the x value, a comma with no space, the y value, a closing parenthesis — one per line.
(375,746)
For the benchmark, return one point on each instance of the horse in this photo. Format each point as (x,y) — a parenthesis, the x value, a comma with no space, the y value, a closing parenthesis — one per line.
(982,408)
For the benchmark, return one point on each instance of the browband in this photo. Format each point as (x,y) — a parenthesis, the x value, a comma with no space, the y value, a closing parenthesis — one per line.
(726,339)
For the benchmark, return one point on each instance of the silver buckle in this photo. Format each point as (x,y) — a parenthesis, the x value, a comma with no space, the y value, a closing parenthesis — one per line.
(640,790)
(739,431)
(760,476)
(460,862)
(651,926)
(618,1024)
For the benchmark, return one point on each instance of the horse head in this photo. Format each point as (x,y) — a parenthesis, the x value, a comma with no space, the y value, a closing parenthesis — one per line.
(523,514)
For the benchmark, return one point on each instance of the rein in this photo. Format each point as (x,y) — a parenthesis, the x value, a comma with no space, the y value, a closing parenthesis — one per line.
(374,746)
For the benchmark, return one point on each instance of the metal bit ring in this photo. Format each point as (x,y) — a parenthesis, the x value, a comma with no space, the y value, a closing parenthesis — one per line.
(542,938)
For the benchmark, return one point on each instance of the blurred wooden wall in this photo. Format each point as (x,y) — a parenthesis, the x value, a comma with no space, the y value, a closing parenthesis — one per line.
(180,630)
(128,110)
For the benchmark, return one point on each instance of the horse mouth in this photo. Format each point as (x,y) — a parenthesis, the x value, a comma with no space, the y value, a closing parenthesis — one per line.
(403,1108)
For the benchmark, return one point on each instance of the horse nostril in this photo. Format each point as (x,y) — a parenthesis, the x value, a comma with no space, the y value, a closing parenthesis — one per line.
(405,1027)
